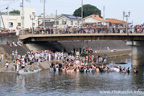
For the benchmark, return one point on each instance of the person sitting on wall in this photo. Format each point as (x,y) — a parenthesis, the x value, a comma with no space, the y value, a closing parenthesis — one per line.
(9,44)
(19,43)
(14,43)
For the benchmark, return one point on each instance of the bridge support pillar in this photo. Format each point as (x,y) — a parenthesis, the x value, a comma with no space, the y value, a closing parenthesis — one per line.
(137,52)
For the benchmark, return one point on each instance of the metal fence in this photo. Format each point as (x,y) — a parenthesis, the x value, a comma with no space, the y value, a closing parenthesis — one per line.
(81,30)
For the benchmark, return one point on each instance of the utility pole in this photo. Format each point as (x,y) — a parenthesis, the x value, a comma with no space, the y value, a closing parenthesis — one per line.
(44,14)
(103,14)
(82,11)
(8,17)
(82,15)
(32,17)
(123,15)
(56,18)
(22,17)
(2,20)
(123,18)
(127,16)
(56,21)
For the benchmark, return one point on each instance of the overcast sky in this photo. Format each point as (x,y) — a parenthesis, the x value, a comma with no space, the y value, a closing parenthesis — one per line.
(114,8)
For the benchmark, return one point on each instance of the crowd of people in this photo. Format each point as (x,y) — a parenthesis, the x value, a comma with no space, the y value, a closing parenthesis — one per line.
(46,55)
(64,62)
(91,68)
(88,29)
(15,44)
(34,56)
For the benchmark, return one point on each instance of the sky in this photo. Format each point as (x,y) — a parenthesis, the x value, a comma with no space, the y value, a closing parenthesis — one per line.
(113,8)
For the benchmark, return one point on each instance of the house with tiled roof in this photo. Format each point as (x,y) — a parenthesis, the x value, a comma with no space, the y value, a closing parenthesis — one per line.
(95,19)
(68,20)
(115,21)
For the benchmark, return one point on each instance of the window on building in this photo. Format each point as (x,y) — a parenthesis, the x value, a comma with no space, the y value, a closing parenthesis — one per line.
(48,20)
(78,23)
(38,22)
(57,22)
(33,24)
(71,22)
(64,22)
(99,23)
(33,13)
(19,24)
(10,24)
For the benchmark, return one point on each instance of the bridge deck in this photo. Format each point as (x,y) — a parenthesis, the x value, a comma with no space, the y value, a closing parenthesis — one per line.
(85,36)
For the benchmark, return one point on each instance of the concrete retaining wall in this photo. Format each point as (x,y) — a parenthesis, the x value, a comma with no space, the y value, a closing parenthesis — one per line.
(3,40)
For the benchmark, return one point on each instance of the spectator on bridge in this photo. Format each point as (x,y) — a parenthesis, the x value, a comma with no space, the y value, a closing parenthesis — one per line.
(88,29)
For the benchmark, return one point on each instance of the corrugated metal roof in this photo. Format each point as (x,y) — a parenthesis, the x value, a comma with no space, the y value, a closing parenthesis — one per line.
(48,24)
(71,16)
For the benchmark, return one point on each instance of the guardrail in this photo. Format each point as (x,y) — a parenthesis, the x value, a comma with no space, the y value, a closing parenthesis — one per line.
(7,34)
(80,30)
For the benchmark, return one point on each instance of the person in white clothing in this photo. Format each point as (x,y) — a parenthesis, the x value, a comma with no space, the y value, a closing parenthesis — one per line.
(7,65)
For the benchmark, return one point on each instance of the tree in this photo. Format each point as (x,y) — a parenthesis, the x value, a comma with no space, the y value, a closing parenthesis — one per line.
(15,12)
(87,10)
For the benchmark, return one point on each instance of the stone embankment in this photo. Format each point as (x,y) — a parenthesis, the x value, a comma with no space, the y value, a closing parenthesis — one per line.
(42,65)
(117,53)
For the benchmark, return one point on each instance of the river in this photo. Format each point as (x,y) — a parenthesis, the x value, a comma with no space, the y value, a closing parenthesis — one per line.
(45,83)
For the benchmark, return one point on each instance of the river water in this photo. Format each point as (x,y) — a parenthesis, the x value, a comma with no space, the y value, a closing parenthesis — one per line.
(45,83)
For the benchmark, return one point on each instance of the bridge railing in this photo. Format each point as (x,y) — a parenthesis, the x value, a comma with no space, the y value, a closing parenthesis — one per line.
(7,34)
(82,30)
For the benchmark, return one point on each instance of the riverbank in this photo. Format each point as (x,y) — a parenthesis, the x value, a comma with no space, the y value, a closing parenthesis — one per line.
(114,54)
(11,69)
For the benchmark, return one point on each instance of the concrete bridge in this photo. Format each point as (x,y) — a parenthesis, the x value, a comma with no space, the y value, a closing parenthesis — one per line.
(135,40)
(81,36)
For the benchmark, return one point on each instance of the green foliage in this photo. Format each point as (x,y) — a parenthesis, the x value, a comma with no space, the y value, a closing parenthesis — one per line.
(87,10)
(15,12)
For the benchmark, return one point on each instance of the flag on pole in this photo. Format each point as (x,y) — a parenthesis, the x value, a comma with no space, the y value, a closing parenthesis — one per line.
(7,8)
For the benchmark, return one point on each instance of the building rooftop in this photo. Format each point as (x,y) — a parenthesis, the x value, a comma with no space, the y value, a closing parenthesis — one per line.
(115,21)
(71,16)
(47,24)
(95,16)
(10,14)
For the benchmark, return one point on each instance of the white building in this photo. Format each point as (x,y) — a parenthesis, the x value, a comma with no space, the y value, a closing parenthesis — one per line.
(16,21)
(67,20)
(29,14)
(49,20)
(95,19)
